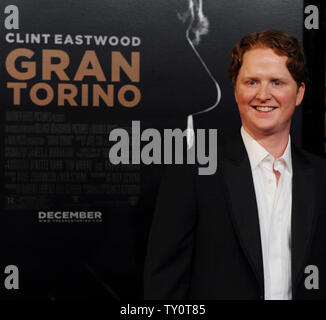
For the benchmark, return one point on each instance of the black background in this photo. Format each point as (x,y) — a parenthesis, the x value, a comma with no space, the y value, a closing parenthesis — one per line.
(105,261)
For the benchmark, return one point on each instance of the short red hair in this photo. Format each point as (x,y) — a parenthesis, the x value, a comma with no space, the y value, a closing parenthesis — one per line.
(281,43)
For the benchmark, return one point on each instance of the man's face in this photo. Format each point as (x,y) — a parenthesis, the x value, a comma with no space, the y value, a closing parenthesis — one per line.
(266,93)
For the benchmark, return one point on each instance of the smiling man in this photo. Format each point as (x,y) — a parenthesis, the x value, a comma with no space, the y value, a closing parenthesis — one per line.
(255,228)
(269,85)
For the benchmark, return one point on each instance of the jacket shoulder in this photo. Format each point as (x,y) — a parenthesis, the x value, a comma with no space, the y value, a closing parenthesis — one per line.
(314,160)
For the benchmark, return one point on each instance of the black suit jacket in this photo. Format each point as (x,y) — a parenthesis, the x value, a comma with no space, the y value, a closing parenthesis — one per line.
(205,237)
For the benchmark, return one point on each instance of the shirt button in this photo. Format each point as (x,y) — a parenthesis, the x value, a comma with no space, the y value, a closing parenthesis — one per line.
(270,180)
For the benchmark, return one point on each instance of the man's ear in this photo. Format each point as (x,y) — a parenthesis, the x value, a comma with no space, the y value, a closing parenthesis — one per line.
(235,93)
(300,93)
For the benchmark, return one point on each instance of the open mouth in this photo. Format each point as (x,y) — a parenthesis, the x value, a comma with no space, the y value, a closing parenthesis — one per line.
(264,108)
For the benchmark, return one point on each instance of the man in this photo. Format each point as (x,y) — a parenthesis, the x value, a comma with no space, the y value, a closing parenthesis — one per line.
(256,228)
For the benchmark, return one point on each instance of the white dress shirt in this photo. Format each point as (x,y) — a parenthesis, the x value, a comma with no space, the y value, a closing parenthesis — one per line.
(274,202)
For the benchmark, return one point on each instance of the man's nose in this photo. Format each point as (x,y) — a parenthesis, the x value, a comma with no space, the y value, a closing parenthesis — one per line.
(264,92)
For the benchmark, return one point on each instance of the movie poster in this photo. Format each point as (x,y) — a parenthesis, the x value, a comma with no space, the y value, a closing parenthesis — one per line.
(80,83)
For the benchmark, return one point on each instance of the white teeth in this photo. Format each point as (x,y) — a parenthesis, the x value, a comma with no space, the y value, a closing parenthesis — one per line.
(264,108)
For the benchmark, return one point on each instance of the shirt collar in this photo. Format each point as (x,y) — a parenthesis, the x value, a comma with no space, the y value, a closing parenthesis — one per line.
(258,153)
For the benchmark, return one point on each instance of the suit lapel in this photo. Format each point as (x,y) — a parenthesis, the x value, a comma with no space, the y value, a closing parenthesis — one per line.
(240,193)
(303,214)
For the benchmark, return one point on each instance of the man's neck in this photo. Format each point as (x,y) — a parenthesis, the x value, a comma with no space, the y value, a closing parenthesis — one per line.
(275,143)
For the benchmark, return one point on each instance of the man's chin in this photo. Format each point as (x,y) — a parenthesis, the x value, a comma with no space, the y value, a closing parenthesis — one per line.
(263,130)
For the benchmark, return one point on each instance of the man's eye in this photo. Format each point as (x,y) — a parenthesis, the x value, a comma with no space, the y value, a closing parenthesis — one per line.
(252,82)
(277,83)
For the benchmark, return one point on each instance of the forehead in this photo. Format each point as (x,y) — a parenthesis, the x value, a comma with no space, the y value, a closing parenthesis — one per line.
(263,60)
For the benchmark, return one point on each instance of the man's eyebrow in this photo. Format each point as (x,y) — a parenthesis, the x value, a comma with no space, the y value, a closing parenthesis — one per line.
(278,79)
(251,78)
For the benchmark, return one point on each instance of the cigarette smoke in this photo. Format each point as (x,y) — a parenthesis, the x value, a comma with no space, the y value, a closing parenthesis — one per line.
(198,26)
